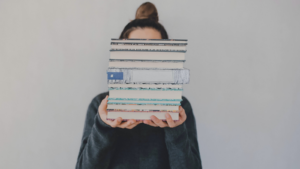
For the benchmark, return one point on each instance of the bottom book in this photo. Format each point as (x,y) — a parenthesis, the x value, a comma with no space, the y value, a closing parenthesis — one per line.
(142,115)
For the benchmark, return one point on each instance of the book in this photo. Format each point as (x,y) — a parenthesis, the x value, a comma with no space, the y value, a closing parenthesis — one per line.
(148,76)
(172,41)
(170,64)
(143,102)
(145,94)
(140,115)
(143,99)
(147,88)
(146,55)
(146,85)
(143,107)
(148,46)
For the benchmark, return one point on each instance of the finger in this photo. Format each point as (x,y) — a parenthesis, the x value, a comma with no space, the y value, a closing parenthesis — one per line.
(182,113)
(115,123)
(180,108)
(182,116)
(127,123)
(149,122)
(170,121)
(134,124)
(103,104)
(158,122)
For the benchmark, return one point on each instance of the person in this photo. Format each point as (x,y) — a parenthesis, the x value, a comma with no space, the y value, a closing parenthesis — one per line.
(142,144)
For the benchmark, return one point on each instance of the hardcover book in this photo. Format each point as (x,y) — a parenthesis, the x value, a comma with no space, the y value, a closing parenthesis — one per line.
(148,76)
(147,55)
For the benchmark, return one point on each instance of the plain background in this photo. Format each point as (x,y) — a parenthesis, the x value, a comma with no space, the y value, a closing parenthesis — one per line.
(244,58)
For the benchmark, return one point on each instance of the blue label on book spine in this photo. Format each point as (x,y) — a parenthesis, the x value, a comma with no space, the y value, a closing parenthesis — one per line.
(115,75)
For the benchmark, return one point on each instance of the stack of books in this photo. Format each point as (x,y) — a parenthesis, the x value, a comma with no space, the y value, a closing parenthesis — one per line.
(145,77)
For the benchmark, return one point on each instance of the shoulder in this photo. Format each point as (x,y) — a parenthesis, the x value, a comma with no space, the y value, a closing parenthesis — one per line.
(93,107)
(98,98)
(186,104)
(185,100)
(94,104)
(92,112)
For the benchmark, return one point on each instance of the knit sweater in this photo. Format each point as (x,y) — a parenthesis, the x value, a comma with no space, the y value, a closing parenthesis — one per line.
(142,147)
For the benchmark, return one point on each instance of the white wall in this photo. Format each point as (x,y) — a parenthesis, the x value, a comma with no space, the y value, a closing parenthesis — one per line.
(245,77)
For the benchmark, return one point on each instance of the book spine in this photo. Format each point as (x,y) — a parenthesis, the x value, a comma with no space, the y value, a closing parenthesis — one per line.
(143,99)
(149,50)
(140,116)
(133,103)
(142,76)
(124,120)
(148,44)
(148,40)
(146,86)
(143,60)
(153,89)
(138,111)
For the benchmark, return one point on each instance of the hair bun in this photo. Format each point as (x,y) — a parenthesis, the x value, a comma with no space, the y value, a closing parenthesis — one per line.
(147,11)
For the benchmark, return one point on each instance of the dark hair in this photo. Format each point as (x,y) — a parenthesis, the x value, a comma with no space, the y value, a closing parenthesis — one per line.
(146,17)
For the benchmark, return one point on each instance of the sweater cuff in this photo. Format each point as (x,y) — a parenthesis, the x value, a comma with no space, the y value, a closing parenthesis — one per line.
(172,134)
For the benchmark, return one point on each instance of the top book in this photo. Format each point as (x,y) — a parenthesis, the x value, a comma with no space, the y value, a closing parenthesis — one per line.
(147,45)
(174,41)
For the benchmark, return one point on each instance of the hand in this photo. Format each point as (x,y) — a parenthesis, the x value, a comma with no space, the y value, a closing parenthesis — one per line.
(129,124)
(170,123)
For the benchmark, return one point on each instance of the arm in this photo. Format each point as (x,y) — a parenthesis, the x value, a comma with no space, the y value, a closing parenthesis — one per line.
(182,143)
(98,140)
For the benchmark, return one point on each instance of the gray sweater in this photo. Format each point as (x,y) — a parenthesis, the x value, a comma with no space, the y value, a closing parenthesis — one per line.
(143,147)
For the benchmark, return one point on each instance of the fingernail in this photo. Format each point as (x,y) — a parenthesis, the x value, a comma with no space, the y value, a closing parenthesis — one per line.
(168,116)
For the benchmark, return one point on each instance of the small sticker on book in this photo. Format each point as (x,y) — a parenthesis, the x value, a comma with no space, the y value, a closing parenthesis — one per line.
(115,75)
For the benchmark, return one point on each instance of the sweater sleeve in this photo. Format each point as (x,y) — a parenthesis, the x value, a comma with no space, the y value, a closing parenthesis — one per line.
(182,143)
(97,145)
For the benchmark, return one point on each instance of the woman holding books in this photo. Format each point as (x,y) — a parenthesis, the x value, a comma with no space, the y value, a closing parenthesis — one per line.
(139,144)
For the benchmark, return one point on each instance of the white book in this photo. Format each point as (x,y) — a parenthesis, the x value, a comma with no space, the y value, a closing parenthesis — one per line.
(140,115)
(119,46)
(166,41)
(140,55)
(145,94)
(142,102)
(146,85)
(141,64)
(142,107)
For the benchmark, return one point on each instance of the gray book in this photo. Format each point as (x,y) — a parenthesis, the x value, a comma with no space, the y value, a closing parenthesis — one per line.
(147,76)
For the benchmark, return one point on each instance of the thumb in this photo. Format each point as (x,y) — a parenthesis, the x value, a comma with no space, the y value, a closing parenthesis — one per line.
(103,104)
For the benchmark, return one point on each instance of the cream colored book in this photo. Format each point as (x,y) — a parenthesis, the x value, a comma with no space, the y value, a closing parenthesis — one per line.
(145,64)
(148,47)
(140,115)
(143,107)
(144,102)
(142,55)
(145,94)
(150,41)
(146,85)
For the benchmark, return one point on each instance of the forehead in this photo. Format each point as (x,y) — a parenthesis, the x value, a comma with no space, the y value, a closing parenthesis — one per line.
(144,33)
